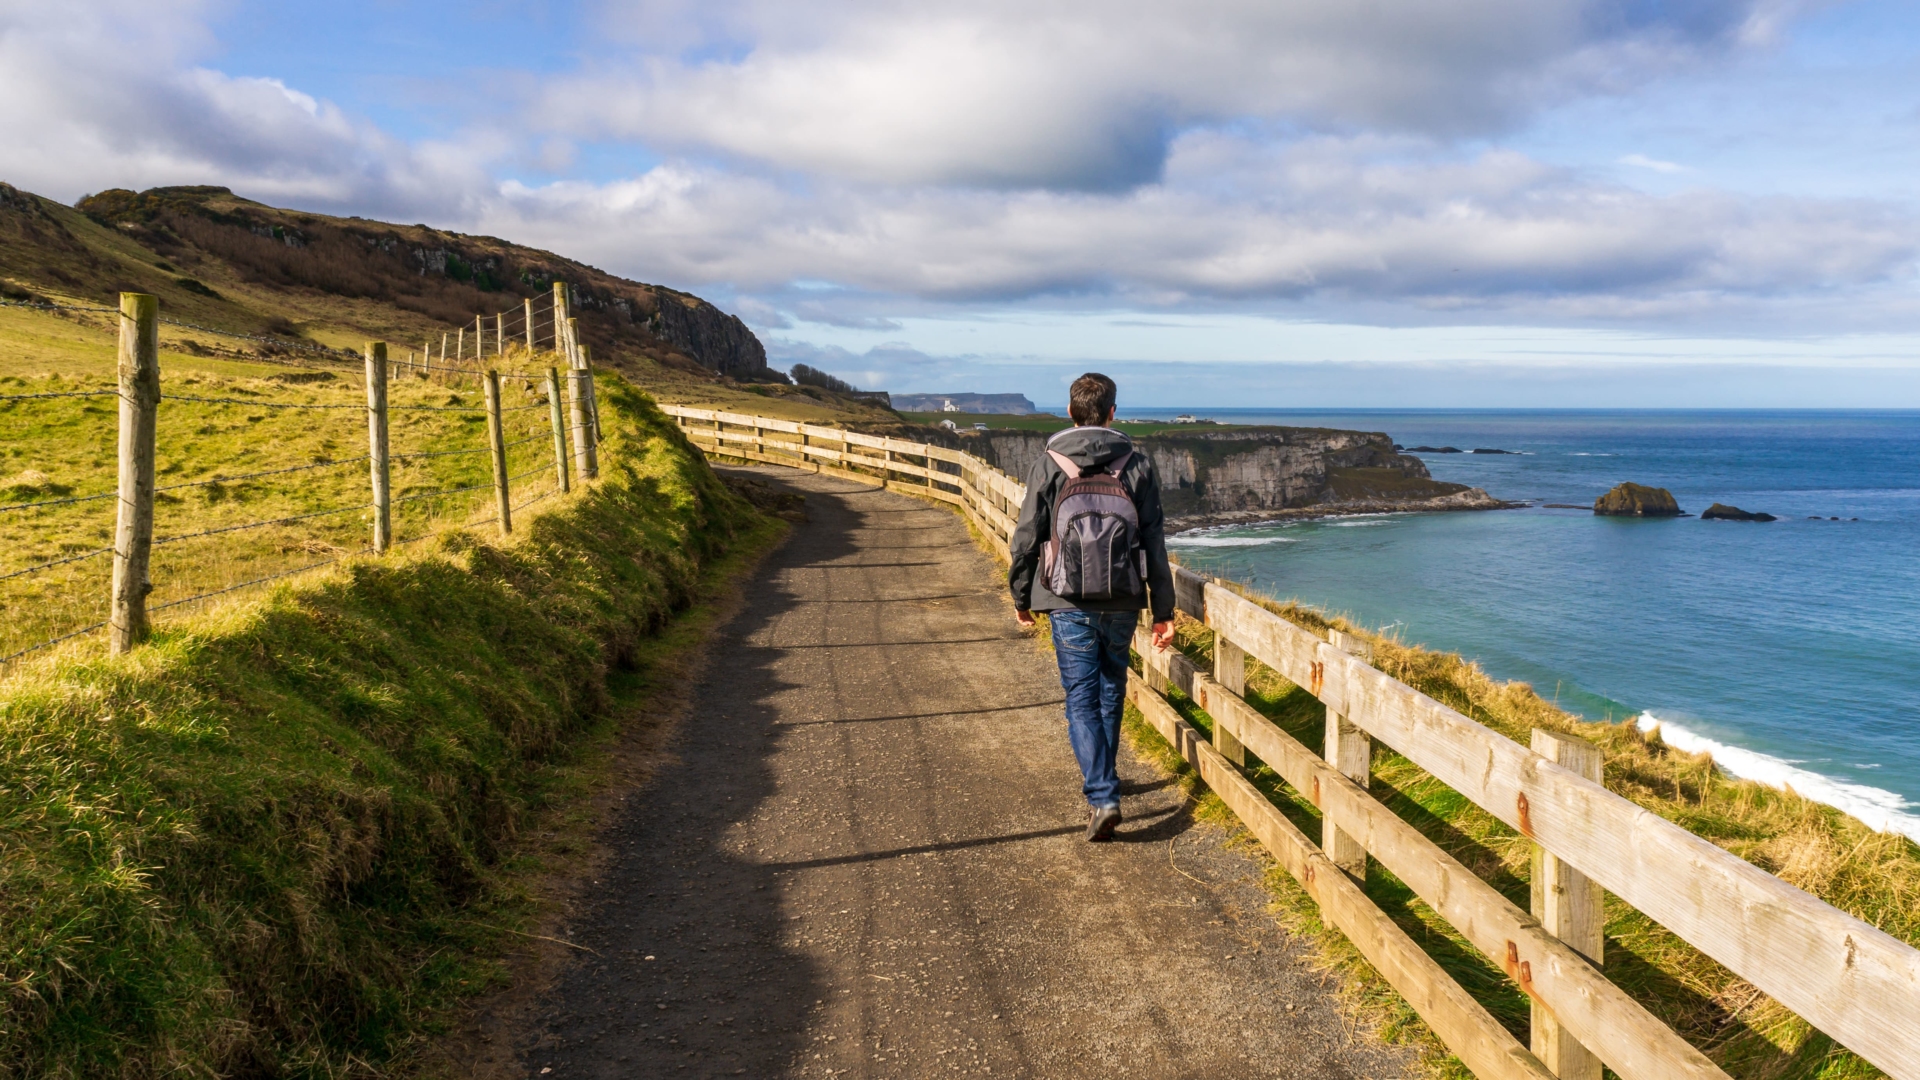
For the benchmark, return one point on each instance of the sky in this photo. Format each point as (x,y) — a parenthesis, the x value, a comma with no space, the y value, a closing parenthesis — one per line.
(1313,203)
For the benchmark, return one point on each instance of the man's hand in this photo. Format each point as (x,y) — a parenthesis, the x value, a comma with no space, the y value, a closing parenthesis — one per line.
(1163,634)
(1023,617)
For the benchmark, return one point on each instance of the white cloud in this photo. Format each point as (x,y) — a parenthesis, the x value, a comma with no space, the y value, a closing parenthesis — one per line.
(1087,93)
(110,95)
(1345,221)
(1642,161)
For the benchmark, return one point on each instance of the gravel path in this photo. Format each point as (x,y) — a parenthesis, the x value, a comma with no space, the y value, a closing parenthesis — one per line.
(867,861)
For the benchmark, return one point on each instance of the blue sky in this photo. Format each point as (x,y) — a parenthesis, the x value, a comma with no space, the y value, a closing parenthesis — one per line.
(1492,202)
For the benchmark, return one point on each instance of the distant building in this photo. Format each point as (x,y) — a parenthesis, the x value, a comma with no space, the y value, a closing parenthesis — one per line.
(950,425)
(1183,418)
(1002,404)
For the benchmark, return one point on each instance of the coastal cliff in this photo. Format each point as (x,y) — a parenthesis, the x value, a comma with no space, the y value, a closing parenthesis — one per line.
(1258,473)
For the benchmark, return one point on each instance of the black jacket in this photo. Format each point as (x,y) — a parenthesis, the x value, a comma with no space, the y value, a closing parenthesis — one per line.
(1089,447)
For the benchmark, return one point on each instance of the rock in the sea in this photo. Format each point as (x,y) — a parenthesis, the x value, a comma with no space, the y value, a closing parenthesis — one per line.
(1434,450)
(1489,450)
(1637,500)
(1723,512)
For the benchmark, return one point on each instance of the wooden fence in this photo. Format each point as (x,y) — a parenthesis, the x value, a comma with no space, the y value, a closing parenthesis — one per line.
(1855,983)
(141,400)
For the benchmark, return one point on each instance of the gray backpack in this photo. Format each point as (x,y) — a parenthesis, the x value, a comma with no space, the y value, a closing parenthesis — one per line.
(1094,552)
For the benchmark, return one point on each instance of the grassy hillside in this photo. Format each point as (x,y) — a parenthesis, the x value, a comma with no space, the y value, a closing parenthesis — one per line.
(1874,876)
(265,843)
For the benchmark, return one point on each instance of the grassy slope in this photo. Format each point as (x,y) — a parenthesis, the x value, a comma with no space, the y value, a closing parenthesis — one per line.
(1875,876)
(263,843)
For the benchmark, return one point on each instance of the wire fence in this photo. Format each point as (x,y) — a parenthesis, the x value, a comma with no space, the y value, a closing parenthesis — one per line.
(245,482)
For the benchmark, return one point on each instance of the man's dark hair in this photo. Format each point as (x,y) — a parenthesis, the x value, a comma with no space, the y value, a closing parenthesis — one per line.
(1091,399)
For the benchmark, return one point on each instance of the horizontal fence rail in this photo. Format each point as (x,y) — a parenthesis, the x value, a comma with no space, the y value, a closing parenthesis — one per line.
(1854,982)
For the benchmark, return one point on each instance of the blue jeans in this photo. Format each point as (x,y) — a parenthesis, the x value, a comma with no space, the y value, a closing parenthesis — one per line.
(1092,649)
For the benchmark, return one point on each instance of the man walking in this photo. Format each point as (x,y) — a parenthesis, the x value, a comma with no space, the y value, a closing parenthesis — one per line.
(1091,551)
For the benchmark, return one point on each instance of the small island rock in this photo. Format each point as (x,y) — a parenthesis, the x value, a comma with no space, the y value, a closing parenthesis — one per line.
(1637,500)
(1723,512)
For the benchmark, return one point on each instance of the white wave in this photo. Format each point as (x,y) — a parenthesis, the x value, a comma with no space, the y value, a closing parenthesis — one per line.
(1228,541)
(1879,808)
(1352,524)
(1583,453)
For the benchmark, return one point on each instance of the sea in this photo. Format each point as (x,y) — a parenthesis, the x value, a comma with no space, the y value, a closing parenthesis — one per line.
(1787,649)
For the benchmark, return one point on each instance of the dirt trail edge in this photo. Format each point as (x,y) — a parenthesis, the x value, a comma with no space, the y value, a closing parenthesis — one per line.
(867,861)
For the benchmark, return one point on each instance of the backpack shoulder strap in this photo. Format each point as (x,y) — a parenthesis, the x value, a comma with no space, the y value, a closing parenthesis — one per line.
(1067,464)
(1119,464)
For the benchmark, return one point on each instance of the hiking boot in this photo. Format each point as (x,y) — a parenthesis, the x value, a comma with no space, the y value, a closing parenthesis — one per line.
(1101,822)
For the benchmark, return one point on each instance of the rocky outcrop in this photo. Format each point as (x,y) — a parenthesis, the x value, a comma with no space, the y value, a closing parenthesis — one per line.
(1723,512)
(1253,474)
(1637,500)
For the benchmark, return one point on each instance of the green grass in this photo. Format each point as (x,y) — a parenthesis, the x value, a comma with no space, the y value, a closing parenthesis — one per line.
(272,841)
(65,447)
(1874,876)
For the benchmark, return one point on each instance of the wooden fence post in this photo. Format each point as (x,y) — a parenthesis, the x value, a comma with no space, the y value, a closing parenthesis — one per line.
(1230,671)
(139,412)
(559,429)
(479,341)
(500,334)
(497,440)
(377,444)
(560,319)
(528,304)
(593,398)
(443,348)
(586,461)
(1569,906)
(1350,751)
(460,346)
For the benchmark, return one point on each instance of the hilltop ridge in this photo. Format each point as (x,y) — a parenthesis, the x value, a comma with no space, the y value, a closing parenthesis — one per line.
(243,266)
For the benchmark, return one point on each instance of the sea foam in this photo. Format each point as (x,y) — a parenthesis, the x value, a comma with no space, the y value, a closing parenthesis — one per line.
(1884,810)
(1228,541)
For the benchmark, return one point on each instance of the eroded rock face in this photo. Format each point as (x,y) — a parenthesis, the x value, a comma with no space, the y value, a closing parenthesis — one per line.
(1276,469)
(1637,500)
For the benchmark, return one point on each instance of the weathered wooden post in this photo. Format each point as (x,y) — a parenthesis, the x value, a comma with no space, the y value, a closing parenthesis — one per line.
(593,397)
(497,441)
(559,429)
(1351,751)
(561,319)
(528,305)
(1570,906)
(585,459)
(443,348)
(460,346)
(377,444)
(1230,671)
(479,341)
(139,413)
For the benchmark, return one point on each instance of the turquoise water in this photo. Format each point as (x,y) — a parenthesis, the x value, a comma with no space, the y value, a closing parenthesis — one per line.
(1788,649)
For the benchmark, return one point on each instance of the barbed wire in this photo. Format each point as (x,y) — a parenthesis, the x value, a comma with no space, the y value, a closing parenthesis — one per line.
(49,305)
(259,580)
(61,394)
(4,660)
(57,502)
(259,524)
(439,453)
(266,472)
(255,402)
(442,491)
(56,562)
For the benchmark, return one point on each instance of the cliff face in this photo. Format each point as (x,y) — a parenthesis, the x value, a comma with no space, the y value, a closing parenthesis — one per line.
(1209,474)
(240,265)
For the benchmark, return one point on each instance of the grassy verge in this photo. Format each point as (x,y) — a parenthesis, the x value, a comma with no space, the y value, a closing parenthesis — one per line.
(270,842)
(1874,876)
